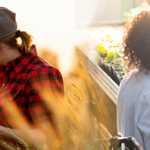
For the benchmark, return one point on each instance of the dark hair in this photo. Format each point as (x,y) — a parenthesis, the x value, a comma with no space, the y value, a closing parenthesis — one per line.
(136,41)
(26,41)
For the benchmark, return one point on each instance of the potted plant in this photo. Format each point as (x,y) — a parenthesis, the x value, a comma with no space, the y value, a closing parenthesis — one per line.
(112,63)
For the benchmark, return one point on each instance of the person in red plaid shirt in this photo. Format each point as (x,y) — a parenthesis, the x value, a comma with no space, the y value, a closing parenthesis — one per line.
(19,65)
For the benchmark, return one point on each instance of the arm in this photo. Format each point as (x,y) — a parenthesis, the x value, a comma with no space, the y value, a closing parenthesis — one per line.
(144,121)
(49,78)
(37,108)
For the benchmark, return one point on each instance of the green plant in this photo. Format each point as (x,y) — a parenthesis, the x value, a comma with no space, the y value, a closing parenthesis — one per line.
(132,12)
(135,11)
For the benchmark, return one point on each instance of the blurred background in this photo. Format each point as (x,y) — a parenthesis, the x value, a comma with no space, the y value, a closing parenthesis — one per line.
(103,12)
(53,23)
(59,28)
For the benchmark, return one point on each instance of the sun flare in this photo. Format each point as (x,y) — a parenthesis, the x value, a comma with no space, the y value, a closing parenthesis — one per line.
(51,23)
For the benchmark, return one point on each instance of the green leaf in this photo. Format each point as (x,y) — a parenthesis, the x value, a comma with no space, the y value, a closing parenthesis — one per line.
(117,45)
(111,41)
(100,48)
(110,56)
(102,39)
(104,51)
(108,36)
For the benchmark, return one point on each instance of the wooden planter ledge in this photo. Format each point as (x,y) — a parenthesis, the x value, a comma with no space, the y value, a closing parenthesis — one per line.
(108,90)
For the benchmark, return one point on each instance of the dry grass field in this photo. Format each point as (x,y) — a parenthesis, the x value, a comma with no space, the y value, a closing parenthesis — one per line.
(77,114)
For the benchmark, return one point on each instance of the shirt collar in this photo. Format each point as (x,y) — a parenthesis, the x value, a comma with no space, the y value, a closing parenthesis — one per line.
(24,59)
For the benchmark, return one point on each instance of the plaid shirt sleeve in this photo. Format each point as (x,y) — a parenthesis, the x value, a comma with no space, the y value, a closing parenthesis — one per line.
(47,77)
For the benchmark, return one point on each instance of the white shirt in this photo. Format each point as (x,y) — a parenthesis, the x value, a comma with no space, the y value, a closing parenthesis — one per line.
(134,107)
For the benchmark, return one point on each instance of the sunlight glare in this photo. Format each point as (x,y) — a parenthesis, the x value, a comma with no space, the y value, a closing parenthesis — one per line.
(51,23)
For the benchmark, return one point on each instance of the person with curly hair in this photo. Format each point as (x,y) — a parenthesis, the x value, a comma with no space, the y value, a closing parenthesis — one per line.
(134,90)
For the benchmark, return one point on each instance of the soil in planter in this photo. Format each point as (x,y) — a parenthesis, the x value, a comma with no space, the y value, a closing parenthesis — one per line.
(113,71)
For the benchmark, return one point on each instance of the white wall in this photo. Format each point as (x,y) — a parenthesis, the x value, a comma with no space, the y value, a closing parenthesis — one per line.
(93,12)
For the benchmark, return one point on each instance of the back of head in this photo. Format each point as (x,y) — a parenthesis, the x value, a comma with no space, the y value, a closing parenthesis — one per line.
(9,32)
(136,40)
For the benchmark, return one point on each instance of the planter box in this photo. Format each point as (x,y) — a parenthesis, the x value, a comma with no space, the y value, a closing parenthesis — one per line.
(113,72)
(108,90)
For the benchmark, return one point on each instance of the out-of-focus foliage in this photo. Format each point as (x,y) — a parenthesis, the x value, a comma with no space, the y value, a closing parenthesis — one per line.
(135,11)
(77,115)
(112,50)
(132,12)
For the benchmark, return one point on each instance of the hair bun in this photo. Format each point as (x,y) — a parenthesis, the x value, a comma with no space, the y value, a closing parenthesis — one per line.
(18,33)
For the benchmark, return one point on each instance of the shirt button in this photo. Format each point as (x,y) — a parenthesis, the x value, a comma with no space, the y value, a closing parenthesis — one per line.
(3,84)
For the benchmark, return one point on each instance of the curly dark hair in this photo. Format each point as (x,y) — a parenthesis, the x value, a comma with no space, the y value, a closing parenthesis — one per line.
(136,41)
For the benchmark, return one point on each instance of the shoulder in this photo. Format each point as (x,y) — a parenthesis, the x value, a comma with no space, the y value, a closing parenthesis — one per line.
(40,66)
(128,77)
(45,75)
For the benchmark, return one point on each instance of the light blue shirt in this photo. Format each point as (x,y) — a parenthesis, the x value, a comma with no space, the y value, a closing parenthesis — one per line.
(134,107)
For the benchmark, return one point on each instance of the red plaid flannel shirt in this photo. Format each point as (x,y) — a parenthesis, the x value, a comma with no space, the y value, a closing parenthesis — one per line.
(15,82)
